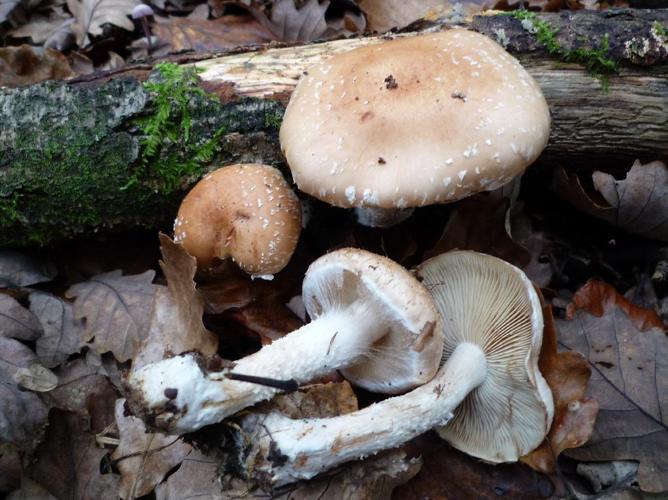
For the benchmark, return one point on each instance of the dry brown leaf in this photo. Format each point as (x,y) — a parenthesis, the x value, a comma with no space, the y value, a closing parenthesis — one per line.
(630,382)
(77,379)
(116,310)
(176,320)
(487,235)
(18,269)
(25,65)
(144,458)
(289,24)
(177,34)
(16,321)
(597,297)
(638,203)
(383,15)
(41,25)
(451,474)
(21,412)
(63,335)
(92,14)
(68,461)
(197,477)
(567,374)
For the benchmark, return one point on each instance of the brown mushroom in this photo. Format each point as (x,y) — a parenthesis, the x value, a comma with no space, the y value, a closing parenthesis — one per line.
(412,122)
(244,212)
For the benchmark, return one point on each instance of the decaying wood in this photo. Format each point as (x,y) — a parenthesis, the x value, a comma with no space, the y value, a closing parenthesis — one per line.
(67,150)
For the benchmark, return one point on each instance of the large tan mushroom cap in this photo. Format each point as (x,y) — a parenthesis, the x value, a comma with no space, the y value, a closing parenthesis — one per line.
(245,212)
(413,121)
(490,303)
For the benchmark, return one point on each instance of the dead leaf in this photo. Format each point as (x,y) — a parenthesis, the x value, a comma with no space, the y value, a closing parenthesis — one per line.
(178,34)
(11,468)
(197,477)
(487,235)
(597,297)
(30,490)
(77,379)
(116,311)
(176,321)
(21,412)
(538,245)
(36,378)
(638,203)
(18,269)
(144,458)
(17,322)
(26,65)
(630,382)
(450,474)
(68,461)
(91,15)
(567,374)
(41,25)
(63,335)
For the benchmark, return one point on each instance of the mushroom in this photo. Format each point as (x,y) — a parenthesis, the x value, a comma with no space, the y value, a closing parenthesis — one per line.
(245,212)
(488,399)
(366,310)
(144,13)
(411,122)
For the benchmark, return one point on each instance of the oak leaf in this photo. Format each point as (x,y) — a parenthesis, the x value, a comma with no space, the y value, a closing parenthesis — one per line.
(18,322)
(18,269)
(92,14)
(116,310)
(629,380)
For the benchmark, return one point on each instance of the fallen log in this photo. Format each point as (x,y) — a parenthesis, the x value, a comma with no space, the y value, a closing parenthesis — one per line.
(77,156)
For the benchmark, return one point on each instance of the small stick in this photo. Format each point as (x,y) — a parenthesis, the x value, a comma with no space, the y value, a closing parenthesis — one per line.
(290,385)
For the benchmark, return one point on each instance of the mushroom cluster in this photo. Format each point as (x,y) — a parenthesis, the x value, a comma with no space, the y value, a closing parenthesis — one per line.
(406,123)
(489,398)
(411,122)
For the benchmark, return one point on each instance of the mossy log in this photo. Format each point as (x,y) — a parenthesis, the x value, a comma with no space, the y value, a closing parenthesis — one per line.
(70,152)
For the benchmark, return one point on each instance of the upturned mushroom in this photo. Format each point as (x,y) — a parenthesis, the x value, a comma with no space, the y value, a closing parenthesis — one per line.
(412,122)
(365,309)
(488,399)
(247,213)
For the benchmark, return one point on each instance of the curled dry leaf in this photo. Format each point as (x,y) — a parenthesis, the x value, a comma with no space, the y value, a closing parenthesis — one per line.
(597,297)
(63,334)
(567,374)
(116,310)
(92,14)
(41,25)
(383,15)
(144,458)
(18,269)
(68,461)
(176,319)
(630,382)
(16,321)
(638,203)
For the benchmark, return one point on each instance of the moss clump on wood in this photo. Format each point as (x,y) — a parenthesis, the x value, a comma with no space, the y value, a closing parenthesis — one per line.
(76,160)
(596,60)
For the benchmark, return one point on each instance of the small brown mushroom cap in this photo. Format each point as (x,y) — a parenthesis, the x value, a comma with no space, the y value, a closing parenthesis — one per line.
(413,121)
(245,212)
(489,303)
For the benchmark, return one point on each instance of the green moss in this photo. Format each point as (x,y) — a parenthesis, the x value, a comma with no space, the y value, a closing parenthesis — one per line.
(596,61)
(660,29)
(170,150)
(273,120)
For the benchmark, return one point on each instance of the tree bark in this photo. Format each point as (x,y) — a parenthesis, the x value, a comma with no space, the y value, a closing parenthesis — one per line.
(69,149)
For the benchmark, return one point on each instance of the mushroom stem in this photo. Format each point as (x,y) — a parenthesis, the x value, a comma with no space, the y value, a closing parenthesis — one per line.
(312,446)
(382,217)
(334,340)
